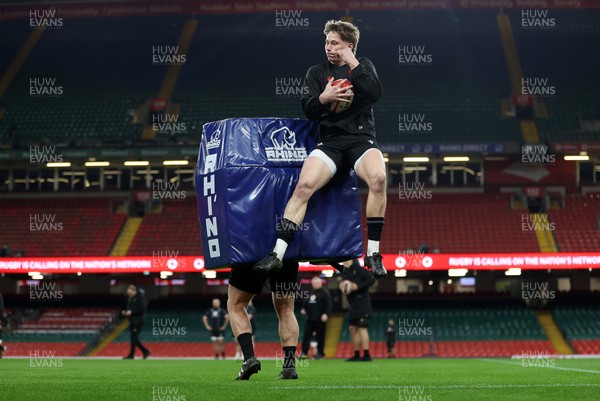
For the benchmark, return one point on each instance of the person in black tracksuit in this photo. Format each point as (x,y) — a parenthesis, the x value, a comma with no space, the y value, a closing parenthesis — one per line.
(346,141)
(317,307)
(390,336)
(136,308)
(216,320)
(356,287)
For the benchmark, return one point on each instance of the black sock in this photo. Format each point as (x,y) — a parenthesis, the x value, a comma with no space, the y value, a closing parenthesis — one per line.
(245,341)
(287,229)
(289,355)
(366,353)
(374,228)
(223,354)
(357,354)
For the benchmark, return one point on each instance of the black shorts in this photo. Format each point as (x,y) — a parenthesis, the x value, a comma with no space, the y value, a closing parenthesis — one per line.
(344,151)
(359,322)
(245,278)
(217,335)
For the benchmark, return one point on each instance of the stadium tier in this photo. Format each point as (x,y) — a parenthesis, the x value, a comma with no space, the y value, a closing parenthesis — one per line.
(458,89)
(440,224)
(565,57)
(67,225)
(175,228)
(59,331)
(182,334)
(577,224)
(454,332)
(71,226)
(101,90)
(581,327)
(501,331)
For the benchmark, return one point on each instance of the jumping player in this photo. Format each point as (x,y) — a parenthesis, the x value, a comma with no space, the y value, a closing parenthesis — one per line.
(346,139)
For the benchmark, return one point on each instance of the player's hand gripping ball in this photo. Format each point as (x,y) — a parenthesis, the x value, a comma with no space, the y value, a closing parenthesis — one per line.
(339,106)
(346,287)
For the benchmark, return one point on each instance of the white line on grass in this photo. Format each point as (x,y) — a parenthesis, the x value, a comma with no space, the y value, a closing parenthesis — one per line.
(455,386)
(597,372)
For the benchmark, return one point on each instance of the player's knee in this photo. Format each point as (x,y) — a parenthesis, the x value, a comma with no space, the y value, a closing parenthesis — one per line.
(377,182)
(304,189)
(234,305)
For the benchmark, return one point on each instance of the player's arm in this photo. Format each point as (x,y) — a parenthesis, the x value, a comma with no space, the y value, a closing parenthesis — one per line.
(311,105)
(205,321)
(364,280)
(365,80)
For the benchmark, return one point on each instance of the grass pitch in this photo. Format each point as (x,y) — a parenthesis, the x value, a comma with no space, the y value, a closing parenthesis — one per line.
(382,380)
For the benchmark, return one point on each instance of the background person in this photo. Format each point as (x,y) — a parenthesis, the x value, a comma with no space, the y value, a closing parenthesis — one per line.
(215,320)
(318,308)
(136,308)
(356,288)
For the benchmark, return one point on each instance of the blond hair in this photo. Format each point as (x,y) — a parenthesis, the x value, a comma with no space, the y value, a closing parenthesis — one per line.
(348,32)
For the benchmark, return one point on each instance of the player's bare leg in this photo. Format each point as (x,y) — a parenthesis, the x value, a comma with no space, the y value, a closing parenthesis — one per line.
(371,169)
(355,343)
(363,334)
(288,332)
(221,347)
(237,301)
(314,175)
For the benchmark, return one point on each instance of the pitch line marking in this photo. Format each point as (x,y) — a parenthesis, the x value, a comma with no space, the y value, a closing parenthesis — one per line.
(597,372)
(455,386)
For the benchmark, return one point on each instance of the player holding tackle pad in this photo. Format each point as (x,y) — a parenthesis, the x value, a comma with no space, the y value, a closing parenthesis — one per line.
(342,92)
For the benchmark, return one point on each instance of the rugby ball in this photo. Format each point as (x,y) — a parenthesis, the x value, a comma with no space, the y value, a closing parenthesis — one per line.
(337,106)
(346,287)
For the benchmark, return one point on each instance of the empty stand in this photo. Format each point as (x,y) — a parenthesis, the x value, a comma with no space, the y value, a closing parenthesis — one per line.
(581,327)
(59,331)
(176,229)
(576,224)
(454,332)
(455,223)
(58,227)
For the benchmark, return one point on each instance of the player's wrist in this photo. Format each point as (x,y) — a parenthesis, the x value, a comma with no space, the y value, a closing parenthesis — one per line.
(353,64)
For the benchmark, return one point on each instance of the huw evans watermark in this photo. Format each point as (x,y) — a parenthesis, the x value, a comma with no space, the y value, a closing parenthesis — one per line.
(414,191)
(291,19)
(167,393)
(167,55)
(411,55)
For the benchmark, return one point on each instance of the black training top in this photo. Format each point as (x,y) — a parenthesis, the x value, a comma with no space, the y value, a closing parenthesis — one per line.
(390,334)
(137,306)
(216,317)
(358,118)
(318,302)
(360,300)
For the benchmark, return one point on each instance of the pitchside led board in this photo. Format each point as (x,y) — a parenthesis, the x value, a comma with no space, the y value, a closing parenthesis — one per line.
(247,170)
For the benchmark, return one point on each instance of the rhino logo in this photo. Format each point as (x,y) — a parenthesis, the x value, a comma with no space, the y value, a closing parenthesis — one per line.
(215,140)
(283,138)
(284,147)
